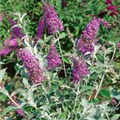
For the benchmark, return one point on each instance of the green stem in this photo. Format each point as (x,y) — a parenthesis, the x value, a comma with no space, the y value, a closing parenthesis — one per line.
(100,84)
(62,58)
(16,104)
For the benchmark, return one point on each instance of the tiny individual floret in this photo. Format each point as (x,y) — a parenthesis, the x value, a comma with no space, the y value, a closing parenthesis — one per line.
(52,20)
(32,65)
(53,57)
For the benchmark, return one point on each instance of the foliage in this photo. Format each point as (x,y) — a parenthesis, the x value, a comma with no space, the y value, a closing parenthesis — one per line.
(96,97)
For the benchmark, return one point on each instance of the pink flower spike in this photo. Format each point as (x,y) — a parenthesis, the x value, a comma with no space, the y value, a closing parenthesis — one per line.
(53,57)
(32,66)
(53,22)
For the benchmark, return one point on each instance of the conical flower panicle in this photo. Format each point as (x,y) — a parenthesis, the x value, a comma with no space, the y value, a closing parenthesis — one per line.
(16,31)
(89,36)
(80,69)
(40,31)
(52,20)
(11,43)
(32,65)
(5,51)
(53,57)
(9,46)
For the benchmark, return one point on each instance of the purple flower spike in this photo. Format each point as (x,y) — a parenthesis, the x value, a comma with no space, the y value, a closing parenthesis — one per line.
(16,31)
(9,46)
(80,69)
(40,31)
(85,46)
(89,36)
(53,57)
(5,51)
(32,65)
(11,43)
(52,20)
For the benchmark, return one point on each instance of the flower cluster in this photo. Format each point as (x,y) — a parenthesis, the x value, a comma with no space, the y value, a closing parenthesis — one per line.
(12,43)
(32,65)
(17,31)
(53,57)
(40,31)
(80,69)
(19,111)
(111,8)
(89,36)
(53,23)
(9,46)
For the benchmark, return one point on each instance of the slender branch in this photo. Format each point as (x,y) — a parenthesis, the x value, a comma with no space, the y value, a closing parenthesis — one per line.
(16,104)
(100,84)
(62,58)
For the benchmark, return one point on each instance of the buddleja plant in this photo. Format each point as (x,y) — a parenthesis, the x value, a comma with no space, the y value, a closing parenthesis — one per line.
(80,93)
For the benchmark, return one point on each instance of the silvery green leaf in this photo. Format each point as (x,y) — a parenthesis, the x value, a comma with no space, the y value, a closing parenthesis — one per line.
(25,82)
(85,104)
(45,108)
(91,112)
(8,109)
(4,91)
(86,88)
(16,25)
(1,63)
(30,96)
(90,119)
(115,117)
(21,18)
(21,91)
(46,116)
(17,14)
(62,35)
(2,73)
(101,119)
